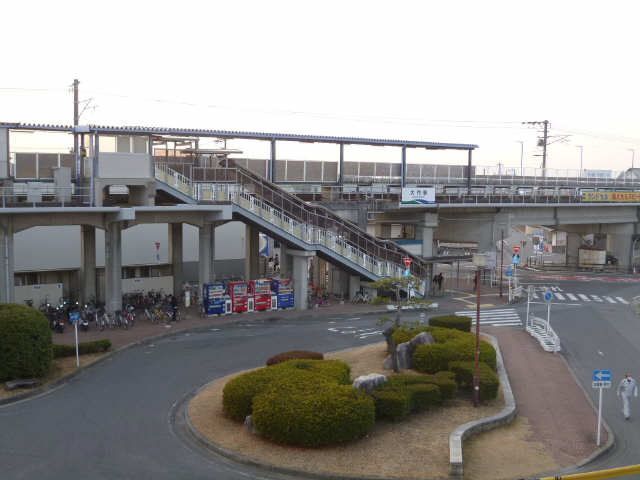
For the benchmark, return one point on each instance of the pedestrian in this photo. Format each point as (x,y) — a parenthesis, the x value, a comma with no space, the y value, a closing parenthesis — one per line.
(440,280)
(276,263)
(475,283)
(627,387)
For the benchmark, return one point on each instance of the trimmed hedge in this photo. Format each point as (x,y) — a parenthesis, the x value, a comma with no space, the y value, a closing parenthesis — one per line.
(25,342)
(96,346)
(403,394)
(302,410)
(451,321)
(489,381)
(404,333)
(423,396)
(238,394)
(294,355)
(394,404)
(460,346)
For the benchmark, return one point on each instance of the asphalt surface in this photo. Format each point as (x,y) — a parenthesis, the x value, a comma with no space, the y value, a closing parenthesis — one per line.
(114,420)
(123,418)
(599,335)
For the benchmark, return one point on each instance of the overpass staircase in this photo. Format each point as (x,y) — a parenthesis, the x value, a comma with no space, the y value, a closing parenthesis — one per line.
(294,222)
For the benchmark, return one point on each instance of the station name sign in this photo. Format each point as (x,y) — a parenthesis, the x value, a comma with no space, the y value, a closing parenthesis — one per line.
(613,197)
(417,196)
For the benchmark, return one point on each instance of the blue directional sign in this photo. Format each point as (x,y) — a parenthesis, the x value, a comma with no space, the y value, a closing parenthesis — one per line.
(407,273)
(515,259)
(74,317)
(548,296)
(601,379)
(508,273)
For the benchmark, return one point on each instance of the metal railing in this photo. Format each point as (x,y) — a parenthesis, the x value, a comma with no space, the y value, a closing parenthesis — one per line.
(43,195)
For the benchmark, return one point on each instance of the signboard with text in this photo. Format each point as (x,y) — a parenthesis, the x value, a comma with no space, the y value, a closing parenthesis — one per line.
(417,196)
(614,197)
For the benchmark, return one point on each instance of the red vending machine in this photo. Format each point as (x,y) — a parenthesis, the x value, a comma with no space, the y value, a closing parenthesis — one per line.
(261,291)
(241,301)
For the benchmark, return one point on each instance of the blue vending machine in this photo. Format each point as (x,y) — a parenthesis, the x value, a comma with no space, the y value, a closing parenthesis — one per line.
(214,298)
(283,291)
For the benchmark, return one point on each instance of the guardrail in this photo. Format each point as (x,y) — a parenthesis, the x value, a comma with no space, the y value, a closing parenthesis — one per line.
(43,195)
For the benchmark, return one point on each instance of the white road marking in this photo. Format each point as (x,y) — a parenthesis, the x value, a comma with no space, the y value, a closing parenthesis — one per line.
(622,300)
(609,299)
(503,317)
(596,298)
(559,296)
(572,297)
(584,297)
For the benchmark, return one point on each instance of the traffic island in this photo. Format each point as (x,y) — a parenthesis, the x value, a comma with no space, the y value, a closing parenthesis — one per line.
(417,447)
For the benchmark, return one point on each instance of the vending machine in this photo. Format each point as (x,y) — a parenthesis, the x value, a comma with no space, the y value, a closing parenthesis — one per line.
(261,291)
(215,299)
(283,292)
(241,301)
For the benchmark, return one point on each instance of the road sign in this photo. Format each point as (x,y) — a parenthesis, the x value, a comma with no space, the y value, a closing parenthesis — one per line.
(600,379)
(407,261)
(407,273)
(508,273)
(515,259)
(516,249)
(548,296)
(74,317)
(601,376)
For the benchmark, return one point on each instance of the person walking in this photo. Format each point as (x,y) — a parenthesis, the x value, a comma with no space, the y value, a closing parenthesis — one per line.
(626,388)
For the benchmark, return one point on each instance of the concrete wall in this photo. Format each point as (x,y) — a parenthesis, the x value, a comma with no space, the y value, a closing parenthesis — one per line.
(39,293)
(147,283)
(124,165)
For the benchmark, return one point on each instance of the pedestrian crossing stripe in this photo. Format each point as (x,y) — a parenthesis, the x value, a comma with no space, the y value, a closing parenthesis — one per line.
(572,297)
(585,298)
(559,296)
(506,317)
(596,298)
(609,299)
(622,300)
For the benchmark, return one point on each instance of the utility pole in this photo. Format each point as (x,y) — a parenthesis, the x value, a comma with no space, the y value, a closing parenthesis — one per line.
(76,117)
(543,141)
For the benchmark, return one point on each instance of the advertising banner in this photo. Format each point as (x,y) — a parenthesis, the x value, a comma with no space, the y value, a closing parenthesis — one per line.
(614,197)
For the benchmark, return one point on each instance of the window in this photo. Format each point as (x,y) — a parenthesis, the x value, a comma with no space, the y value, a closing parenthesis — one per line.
(123,144)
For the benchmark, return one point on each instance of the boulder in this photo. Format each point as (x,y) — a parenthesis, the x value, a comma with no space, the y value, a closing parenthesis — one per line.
(405,351)
(369,382)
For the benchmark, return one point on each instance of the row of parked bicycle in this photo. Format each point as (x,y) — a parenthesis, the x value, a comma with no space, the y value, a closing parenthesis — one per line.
(156,306)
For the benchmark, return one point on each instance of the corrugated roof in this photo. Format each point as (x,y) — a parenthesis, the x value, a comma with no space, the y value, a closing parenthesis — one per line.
(139,130)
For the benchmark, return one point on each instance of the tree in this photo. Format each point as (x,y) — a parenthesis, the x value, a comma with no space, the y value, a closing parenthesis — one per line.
(407,284)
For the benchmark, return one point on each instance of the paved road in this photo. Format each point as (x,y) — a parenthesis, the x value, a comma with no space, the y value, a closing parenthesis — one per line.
(600,335)
(112,421)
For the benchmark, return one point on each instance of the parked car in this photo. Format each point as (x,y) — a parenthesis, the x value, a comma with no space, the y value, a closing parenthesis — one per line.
(611,259)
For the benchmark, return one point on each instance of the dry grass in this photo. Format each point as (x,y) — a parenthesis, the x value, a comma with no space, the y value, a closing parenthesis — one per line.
(415,448)
(60,368)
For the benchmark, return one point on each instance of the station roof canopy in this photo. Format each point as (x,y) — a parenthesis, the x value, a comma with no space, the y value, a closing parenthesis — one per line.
(186,132)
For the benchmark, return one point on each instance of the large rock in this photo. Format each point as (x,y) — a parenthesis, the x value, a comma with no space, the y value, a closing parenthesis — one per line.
(369,382)
(405,351)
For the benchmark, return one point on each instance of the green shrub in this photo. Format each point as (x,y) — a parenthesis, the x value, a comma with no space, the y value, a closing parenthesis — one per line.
(394,404)
(489,381)
(300,410)
(451,321)
(25,342)
(380,301)
(443,335)
(97,346)
(423,396)
(445,381)
(405,333)
(431,358)
(465,351)
(239,393)
(293,355)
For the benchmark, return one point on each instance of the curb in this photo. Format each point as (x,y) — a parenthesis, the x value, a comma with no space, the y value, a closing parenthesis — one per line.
(60,382)
(465,430)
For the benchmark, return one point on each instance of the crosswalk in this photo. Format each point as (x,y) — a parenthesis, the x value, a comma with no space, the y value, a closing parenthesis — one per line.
(579,297)
(504,317)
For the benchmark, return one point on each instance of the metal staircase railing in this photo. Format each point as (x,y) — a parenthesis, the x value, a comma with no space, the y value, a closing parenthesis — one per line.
(314,225)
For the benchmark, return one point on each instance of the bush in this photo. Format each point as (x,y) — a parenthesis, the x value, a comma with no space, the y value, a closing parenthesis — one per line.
(489,381)
(293,355)
(25,342)
(380,301)
(405,333)
(300,410)
(238,394)
(394,404)
(443,335)
(431,358)
(423,396)
(465,351)
(451,321)
(97,346)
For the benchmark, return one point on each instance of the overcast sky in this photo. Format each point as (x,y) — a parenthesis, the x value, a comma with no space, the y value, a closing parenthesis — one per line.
(467,72)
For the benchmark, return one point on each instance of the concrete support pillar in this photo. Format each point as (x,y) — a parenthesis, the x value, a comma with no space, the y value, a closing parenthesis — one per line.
(574,241)
(7,263)
(338,281)
(88,263)
(354,286)
(251,249)
(113,267)
(620,243)
(286,264)
(429,224)
(175,246)
(206,248)
(301,277)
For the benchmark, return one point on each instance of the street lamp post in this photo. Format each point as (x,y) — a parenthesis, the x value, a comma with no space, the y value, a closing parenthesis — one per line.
(521,155)
(479,260)
(633,158)
(581,148)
